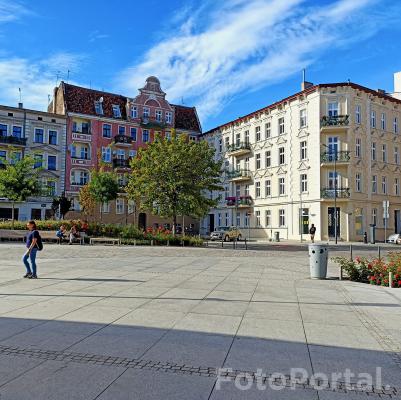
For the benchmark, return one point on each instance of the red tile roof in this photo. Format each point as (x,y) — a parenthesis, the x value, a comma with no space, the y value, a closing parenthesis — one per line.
(186,118)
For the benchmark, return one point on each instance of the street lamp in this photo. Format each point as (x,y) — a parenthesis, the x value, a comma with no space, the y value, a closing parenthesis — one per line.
(335,189)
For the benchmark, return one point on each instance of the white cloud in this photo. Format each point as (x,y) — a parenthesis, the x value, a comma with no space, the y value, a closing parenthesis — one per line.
(97,35)
(227,48)
(12,10)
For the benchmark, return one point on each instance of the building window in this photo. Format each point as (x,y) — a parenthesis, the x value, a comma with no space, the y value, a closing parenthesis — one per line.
(332,109)
(226,221)
(281,186)
(358,147)
(281,156)
(257,158)
(106,130)
(16,156)
(106,154)
(358,182)
(281,217)
(396,155)
(226,143)
(304,183)
(267,130)
(119,206)
(281,126)
(3,130)
(303,150)
(169,117)
(85,153)
(395,125)
(39,135)
(383,121)
(373,148)
(268,186)
(38,161)
(52,163)
(268,158)
(257,134)
(384,185)
(17,132)
(238,219)
(116,111)
(374,216)
(257,215)
(132,153)
(237,139)
(145,136)
(99,107)
(51,188)
(159,115)
(268,218)
(358,114)
(121,130)
(146,112)
(53,137)
(374,184)
(257,190)
(133,134)
(134,112)
(246,192)
(246,219)
(384,153)
(105,207)
(219,219)
(302,118)
(373,119)
(397,186)
(220,146)
(247,137)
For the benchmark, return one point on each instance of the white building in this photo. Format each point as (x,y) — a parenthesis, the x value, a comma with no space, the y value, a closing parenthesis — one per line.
(291,164)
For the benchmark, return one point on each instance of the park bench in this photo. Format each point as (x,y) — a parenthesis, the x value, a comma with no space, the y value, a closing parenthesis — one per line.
(12,234)
(113,241)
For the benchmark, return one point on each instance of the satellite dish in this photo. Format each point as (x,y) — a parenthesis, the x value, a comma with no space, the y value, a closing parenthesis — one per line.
(101,100)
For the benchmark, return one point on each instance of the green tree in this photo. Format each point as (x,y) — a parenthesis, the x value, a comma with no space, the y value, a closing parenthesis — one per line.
(103,187)
(61,204)
(19,180)
(174,177)
(86,201)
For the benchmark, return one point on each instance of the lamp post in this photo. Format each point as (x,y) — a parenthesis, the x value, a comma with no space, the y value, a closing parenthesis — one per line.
(335,190)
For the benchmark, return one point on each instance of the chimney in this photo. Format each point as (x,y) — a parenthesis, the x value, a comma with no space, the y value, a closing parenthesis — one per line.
(306,85)
(381,91)
(20,105)
(397,85)
(54,102)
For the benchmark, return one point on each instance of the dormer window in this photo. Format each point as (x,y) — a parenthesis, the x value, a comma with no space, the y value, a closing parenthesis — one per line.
(116,111)
(99,107)
(146,112)
(169,117)
(134,112)
(159,115)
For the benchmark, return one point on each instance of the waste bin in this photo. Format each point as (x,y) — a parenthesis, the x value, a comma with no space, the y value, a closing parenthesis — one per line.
(318,256)
(372,233)
(276,236)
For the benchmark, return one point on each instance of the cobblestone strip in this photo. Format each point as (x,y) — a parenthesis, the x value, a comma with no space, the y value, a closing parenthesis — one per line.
(227,374)
(389,345)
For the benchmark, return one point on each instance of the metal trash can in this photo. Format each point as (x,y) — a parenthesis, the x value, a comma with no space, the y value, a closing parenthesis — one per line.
(372,232)
(276,236)
(318,256)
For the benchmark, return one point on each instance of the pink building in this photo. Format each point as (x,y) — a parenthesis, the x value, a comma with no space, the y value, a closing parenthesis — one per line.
(112,128)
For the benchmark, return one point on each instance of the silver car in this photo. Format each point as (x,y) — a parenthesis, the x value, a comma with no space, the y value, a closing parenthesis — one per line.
(394,238)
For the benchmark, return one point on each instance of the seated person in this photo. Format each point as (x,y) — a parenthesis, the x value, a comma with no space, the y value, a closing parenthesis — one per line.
(61,233)
(74,233)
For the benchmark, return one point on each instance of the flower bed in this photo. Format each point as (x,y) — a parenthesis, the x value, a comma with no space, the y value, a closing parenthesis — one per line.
(374,271)
(128,233)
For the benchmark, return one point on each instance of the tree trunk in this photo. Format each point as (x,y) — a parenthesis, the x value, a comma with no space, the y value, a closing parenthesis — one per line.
(12,215)
(174,224)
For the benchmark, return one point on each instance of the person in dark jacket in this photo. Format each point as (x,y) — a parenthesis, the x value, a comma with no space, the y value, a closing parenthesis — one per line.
(312,232)
(32,246)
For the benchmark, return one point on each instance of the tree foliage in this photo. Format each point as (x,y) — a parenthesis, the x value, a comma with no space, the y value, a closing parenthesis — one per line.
(63,204)
(19,180)
(87,202)
(174,177)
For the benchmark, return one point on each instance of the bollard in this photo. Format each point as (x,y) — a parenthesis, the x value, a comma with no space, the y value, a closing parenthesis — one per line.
(234,244)
(246,244)
(390,279)
(168,242)
(350,253)
(341,273)
(222,243)
(151,242)
(134,242)
(379,252)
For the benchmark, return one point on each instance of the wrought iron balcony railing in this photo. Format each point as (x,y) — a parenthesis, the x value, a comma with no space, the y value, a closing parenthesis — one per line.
(122,139)
(148,122)
(119,162)
(238,173)
(13,140)
(239,201)
(330,193)
(339,156)
(335,120)
(238,146)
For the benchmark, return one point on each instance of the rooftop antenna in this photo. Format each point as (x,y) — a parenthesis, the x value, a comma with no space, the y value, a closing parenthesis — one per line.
(304,75)
(182,100)
(349,81)
(68,75)
(48,99)
(20,95)
(90,84)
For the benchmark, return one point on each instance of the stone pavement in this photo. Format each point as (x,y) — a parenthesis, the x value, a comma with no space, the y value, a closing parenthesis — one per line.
(171,323)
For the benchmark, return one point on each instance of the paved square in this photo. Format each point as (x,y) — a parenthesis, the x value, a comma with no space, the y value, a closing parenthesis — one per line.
(158,323)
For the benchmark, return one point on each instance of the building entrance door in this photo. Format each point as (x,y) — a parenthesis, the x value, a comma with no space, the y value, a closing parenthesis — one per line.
(142,221)
(397,221)
(211,223)
(331,222)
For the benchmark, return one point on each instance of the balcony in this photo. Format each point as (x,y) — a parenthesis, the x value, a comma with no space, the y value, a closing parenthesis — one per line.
(121,163)
(13,140)
(329,193)
(81,161)
(83,136)
(339,156)
(147,122)
(239,148)
(239,175)
(329,121)
(122,140)
(240,202)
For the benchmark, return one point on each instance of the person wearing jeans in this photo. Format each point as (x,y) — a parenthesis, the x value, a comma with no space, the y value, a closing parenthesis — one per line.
(31,244)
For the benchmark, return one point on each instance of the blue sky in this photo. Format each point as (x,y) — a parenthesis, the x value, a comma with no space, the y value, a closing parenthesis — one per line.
(227,57)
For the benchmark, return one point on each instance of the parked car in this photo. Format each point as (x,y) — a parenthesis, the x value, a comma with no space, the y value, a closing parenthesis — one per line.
(394,238)
(226,233)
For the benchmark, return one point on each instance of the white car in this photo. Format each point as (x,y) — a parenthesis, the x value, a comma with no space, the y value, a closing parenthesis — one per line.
(394,238)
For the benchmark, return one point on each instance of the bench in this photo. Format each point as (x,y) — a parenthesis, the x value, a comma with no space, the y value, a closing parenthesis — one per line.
(12,234)
(113,241)
(49,236)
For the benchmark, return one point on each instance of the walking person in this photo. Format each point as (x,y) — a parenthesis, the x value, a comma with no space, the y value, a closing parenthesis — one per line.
(312,232)
(33,244)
